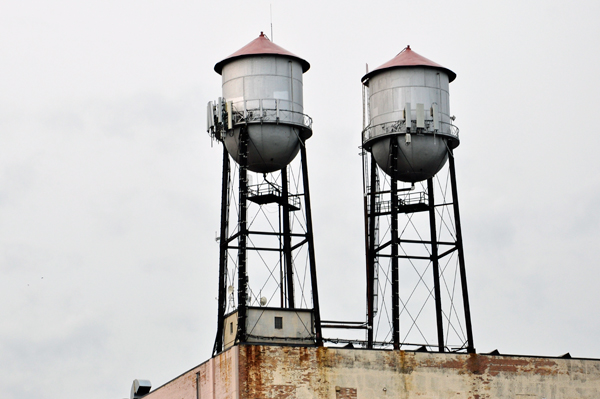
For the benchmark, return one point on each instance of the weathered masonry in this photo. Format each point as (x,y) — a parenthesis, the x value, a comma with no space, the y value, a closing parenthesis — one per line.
(253,371)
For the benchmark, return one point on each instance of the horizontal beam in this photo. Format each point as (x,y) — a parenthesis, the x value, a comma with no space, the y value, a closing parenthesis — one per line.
(270,233)
(258,249)
(406,257)
(426,242)
(344,326)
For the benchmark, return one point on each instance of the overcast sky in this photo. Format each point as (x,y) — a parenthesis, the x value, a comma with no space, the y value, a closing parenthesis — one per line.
(110,190)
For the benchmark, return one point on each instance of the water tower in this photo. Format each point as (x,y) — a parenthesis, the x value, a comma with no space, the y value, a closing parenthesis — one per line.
(267,272)
(416,283)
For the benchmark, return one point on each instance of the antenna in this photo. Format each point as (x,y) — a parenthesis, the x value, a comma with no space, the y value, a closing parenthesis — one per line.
(271,13)
(364,93)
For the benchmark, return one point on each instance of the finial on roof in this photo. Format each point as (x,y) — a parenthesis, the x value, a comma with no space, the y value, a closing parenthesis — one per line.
(407,47)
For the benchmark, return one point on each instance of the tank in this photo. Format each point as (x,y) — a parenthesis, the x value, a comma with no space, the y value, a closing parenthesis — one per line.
(263,90)
(408,101)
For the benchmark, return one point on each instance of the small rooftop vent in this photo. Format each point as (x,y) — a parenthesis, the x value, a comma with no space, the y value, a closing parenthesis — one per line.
(140,388)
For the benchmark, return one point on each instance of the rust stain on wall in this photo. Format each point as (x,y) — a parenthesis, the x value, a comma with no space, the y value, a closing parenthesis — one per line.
(282,392)
(407,363)
(254,372)
(345,393)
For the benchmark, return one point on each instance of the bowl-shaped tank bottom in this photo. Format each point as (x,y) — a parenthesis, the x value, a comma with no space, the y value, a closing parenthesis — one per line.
(271,147)
(418,160)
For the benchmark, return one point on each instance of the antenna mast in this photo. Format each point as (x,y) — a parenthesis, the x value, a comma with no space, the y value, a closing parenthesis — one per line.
(271,13)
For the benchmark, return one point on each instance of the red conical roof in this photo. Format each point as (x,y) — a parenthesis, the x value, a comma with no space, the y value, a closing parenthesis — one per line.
(258,46)
(408,58)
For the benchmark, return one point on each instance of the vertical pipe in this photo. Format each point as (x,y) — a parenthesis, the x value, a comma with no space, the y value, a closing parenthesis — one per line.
(311,248)
(365,173)
(394,231)
(461,256)
(242,239)
(436,267)
(367,185)
(371,254)
(287,241)
(218,347)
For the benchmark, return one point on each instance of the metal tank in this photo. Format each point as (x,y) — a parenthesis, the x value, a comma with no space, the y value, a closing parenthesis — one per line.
(262,92)
(408,101)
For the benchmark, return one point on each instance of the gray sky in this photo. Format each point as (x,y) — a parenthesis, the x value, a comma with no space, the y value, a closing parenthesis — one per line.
(110,190)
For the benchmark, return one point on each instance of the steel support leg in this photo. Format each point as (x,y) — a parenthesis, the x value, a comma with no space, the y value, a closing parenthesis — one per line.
(225,187)
(461,256)
(243,236)
(394,238)
(436,267)
(311,247)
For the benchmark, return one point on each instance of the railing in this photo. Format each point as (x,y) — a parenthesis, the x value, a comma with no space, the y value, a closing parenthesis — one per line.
(404,200)
(394,127)
(258,190)
(270,111)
